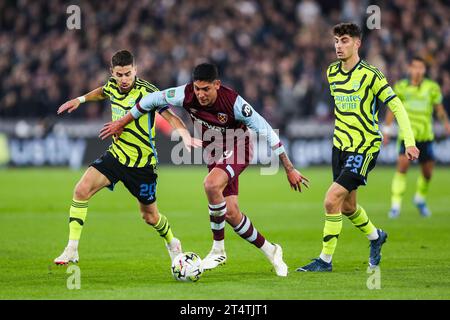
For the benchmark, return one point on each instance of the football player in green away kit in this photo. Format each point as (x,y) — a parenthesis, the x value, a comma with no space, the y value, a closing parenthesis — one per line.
(356,87)
(420,96)
(131,158)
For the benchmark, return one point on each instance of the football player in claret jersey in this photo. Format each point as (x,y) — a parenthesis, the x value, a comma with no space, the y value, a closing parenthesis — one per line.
(131,158)
(420,96)
(356,88)
(221,110)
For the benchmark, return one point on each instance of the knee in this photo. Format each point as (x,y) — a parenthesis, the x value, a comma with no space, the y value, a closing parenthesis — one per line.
(82,191)
(427,176)
(330,204)
(211,186)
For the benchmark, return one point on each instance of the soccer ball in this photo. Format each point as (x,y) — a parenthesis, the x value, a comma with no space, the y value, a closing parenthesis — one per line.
(187,267)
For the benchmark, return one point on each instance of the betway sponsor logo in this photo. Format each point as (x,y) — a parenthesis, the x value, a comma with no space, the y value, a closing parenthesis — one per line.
(208,125)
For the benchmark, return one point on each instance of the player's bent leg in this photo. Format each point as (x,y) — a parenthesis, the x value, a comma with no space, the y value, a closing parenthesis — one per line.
(358,216)
(214,184)
(376,236)
(360,220)
(159,222)
(243,226)
(423,182)
(91,182)
(333,220)
(398,186)
(233,215)
(149,213)
(334,200)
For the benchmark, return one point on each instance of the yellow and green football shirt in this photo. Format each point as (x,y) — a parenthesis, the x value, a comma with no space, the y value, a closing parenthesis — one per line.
(419,102)
(356,95)
(136,145)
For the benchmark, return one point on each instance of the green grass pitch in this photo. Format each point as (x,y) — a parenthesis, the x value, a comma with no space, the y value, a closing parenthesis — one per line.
(123,258)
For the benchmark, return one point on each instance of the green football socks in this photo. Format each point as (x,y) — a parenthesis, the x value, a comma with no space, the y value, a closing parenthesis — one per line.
(398,189)
(163,228)
(78,212)
(361,221)
(331,231)
(422,187)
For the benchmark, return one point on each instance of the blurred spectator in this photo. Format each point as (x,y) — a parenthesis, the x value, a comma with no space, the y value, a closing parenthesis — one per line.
(271,112)
(274,53)
(308,12)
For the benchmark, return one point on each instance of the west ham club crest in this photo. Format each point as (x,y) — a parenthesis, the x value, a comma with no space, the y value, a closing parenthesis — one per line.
(222,117)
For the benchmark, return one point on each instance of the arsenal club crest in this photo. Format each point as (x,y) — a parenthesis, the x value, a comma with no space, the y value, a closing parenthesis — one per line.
(356,85)
(222,117)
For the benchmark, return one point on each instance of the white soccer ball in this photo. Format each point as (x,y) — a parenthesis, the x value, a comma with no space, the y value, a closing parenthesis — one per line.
(187,267)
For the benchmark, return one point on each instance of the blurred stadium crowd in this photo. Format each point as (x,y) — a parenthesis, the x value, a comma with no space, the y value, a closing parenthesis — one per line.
(274,53)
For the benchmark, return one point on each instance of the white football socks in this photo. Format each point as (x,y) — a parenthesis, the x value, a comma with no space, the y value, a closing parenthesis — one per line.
(326,257)
(73,244)
(268,249)
(219,245)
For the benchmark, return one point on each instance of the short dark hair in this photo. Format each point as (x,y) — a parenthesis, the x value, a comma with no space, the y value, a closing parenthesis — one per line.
(352,29)
(122,58)
(418,58)
(205,72)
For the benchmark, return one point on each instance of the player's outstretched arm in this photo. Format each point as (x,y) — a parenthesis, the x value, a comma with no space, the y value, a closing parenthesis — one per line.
(115,128)
(72,105)
(396,106)
(244,112)
(181,129)
(295,178)
(384,92)
(152,101)
(388,129)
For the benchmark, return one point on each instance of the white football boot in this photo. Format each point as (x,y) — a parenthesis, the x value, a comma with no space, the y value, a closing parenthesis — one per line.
(281,269)
(214,259)
(70,254)
(174,248)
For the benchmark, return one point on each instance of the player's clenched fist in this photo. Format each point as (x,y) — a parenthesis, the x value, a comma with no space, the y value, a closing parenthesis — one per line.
(412,153)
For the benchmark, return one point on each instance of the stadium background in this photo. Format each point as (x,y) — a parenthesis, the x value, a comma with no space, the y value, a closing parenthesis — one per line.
(275,54)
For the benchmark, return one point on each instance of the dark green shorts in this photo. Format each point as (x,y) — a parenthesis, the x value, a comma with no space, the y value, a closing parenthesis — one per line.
(141,182)
(425,147)
(350,169)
